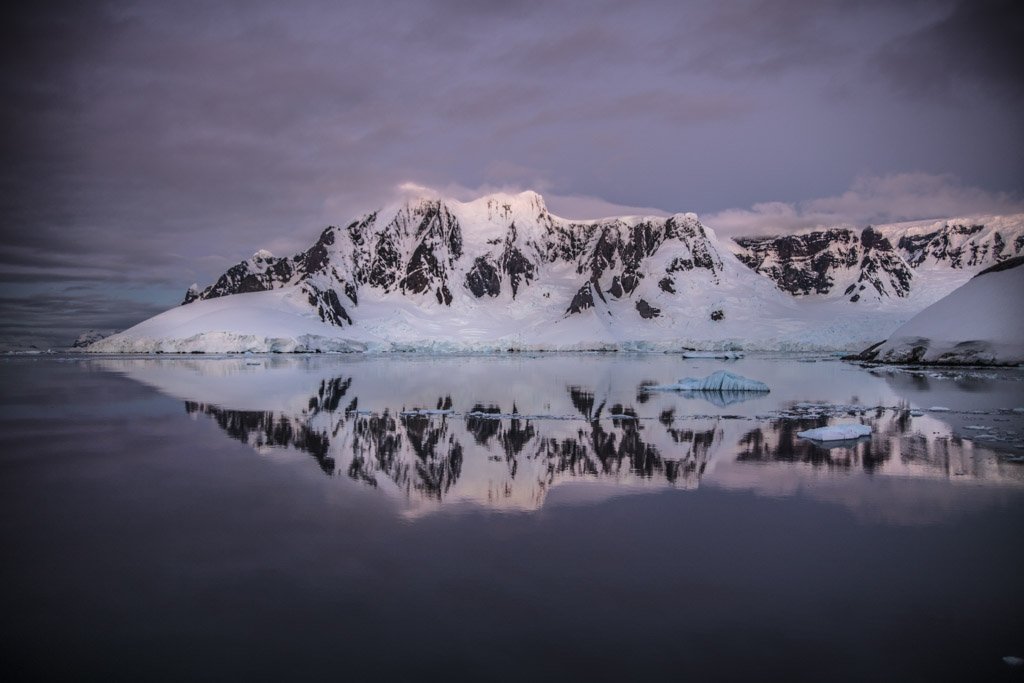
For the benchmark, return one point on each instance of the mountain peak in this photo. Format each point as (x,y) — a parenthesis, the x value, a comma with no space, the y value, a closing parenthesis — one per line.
(528,201)
(525,203)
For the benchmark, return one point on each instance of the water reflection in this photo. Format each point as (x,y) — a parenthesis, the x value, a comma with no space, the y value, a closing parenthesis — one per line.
(422,453)
(432,435)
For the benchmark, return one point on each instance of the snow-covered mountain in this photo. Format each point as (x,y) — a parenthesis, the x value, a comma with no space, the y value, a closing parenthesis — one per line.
(495,248)
(982,322)
(502,272)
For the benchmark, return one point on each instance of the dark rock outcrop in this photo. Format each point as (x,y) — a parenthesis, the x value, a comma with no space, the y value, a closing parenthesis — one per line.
(647,311)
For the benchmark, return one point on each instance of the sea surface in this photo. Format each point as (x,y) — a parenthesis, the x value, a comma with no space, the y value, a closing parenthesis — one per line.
(516,517)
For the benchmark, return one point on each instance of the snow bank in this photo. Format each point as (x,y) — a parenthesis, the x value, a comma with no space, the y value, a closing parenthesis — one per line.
(839,432)
(721,381)
(981,323)
(260,322)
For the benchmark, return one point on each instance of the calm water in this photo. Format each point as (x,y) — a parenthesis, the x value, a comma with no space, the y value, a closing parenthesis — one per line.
(508,518)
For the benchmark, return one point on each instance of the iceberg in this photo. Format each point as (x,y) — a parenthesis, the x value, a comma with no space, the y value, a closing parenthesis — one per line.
(839,432)
(721,381)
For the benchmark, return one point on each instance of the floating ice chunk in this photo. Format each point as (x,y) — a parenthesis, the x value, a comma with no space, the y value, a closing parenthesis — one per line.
(720,381)
(916,413)
(939,409)
(478,415)
(729,355)
(1013,661)
(836,432)
(977,428)
(424,411)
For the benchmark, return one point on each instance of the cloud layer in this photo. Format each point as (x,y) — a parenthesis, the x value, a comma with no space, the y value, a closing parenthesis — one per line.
(871,200)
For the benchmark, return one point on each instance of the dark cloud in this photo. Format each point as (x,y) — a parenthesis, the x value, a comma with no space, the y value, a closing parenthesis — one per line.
(64,315)
(152,144)
(979,44)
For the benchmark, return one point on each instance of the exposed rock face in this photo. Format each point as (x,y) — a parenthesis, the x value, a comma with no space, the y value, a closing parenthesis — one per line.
(90,337)
(621,253)
(583,300)
(815,262)
(801,264)
(260,273)
(647,311)
(327,305)
(943,245)
(866,263)
(483,278)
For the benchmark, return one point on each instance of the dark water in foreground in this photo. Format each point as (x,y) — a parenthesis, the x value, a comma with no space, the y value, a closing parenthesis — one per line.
(510,518)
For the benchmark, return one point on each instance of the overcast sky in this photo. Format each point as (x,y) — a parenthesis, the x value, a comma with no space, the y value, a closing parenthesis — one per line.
(150,144)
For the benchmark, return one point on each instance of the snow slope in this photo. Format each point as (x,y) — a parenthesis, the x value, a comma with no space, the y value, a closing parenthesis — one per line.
(982,322)
(277,320)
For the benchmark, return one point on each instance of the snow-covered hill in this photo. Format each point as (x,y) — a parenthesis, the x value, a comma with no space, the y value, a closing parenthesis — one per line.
(982,322)
(502,272)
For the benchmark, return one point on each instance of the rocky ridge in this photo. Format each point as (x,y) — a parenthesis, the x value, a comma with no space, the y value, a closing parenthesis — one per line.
(880,262)
(497,246)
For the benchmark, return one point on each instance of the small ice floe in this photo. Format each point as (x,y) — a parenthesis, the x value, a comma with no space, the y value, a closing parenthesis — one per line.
(977,428)
(916,413)
(939,409)
(480,415)
(1010,660)
(717,381)
(425,411)
(840,432)
(727,355)
(1018,410)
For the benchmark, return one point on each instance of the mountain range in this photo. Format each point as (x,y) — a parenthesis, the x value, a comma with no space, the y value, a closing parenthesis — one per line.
(502,272)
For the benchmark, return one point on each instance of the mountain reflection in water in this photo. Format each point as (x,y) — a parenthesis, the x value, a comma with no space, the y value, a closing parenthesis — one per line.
(514,459)
(440,440)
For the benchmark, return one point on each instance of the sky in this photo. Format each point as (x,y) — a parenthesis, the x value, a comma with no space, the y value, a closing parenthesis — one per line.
(149,145)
